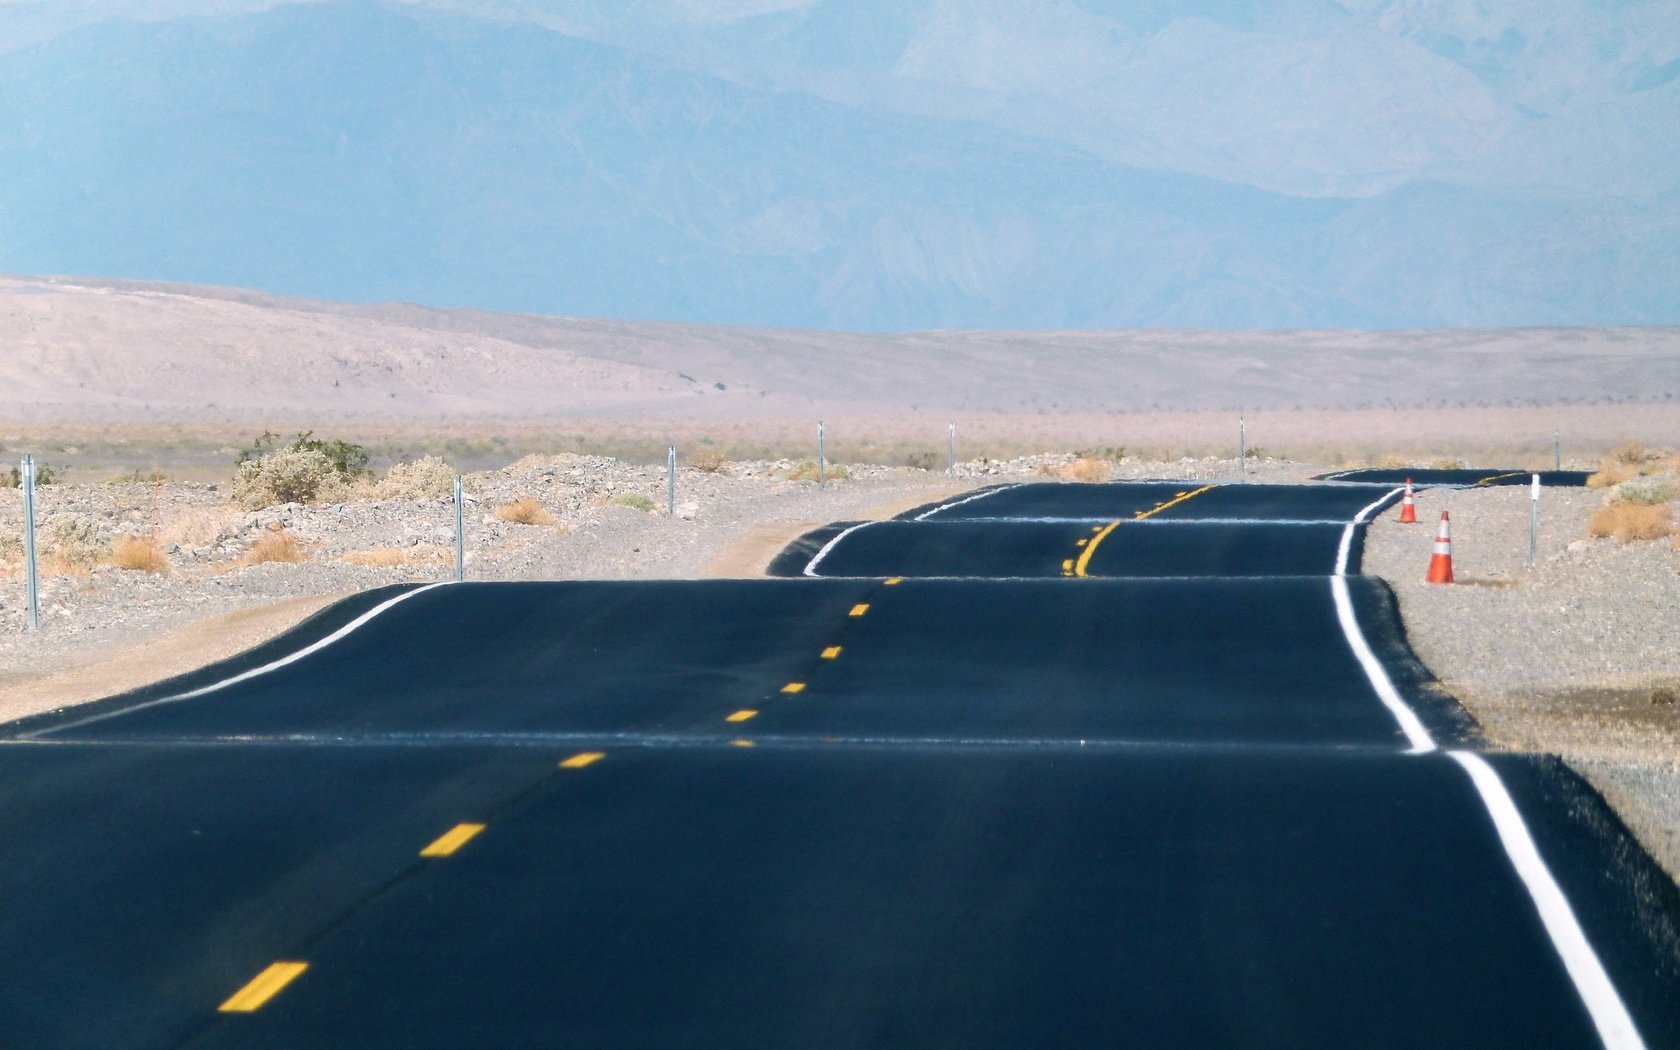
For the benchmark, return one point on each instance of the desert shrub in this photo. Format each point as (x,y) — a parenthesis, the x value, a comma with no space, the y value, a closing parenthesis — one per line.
(1647,490)
(807,471)
(425,478)
(286,476)
(1631,453)
(1611,472)
(138,554)
(348,461)
(1630,522)
(44,475)
(525,511)
(75,540)
(11,546)
(275,545)
(1390,461)
(633,500)
(924,461)
(1110,453)
(709,459)
(1447,463)
(1087,469)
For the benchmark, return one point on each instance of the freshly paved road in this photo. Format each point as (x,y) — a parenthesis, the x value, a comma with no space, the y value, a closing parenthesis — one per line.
(829,812)
(1460,478)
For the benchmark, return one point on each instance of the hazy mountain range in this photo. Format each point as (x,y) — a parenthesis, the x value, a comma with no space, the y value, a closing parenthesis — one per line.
(865,164)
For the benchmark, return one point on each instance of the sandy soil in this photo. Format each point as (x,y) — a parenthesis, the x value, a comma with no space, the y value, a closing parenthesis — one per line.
(169,654)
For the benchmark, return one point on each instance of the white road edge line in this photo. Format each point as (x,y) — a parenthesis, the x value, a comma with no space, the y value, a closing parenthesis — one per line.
(1346,548)
(254,672)
(1422,742)
(1610,1017)
(966,499)
(811,566)
(1615,1027)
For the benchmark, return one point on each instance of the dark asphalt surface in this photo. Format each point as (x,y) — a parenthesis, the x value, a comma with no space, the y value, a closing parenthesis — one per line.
(822,813)
(1482,478)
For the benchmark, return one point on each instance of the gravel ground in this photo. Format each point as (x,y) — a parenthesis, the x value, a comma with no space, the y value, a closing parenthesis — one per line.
(1578,656)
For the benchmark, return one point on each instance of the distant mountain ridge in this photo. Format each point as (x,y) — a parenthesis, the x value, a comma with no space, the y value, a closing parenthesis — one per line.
(863,165)
(82,350)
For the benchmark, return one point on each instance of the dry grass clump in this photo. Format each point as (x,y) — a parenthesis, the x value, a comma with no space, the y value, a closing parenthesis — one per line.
(708,460)
(138,554)
(633,500)
(1631,522)
(197,526)
(394,557)
(425,478)
(1087,468)
(11,546)
(378,558)
(1610,473)
(1630,452)
(525,511)
(275,545)
(807,471)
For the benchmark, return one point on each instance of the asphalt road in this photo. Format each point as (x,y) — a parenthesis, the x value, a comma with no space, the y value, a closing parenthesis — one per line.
(1460,478)
(852,812)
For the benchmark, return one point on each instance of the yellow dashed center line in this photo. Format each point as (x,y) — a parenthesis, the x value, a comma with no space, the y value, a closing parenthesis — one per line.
(452,840)
(587,758)
(741,716)
(831,653)
(860,608)
(1175,501)
(894,581)
(794,687)
(1091,548)
(263,987)
(742,743)
(1499,477)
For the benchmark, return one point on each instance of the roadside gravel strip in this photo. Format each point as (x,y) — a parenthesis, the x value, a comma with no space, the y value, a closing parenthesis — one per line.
(1574,657)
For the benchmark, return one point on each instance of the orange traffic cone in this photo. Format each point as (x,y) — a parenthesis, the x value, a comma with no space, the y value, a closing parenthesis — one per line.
(1440,563)
(1408,505)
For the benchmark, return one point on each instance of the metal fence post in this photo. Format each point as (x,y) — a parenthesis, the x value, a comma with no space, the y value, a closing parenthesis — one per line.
(460,533)
(32,581)
(1557,451)
(822,457)
(951,449)
(1242,446)
(1534,524)
(671,479)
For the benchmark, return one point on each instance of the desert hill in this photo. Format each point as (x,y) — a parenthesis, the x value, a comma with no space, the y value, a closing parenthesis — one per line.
(88,349)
